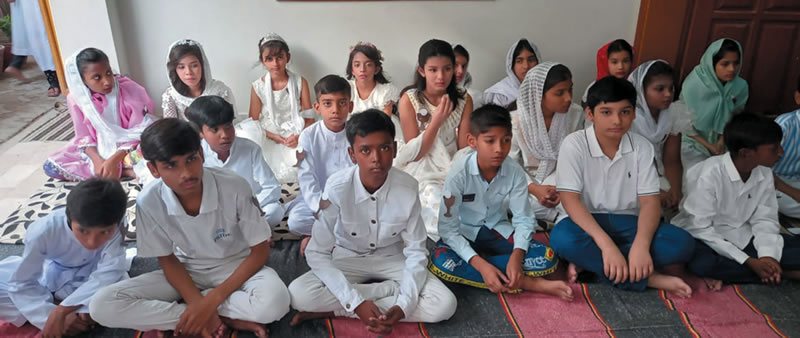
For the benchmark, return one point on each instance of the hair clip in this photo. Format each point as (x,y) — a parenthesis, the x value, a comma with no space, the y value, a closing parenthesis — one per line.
(271,36)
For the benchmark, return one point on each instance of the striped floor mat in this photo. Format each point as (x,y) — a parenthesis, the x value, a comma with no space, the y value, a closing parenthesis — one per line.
(57,126)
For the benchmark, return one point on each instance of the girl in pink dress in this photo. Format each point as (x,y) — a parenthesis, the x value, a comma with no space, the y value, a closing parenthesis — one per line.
(109,113)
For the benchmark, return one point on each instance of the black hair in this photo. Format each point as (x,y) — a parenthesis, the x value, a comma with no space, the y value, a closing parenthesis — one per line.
(175,55)
(488,116)
(460,50)
(619,45)
(429,49)
(210,110)
(97,202)
(87,56)
(332,84)
(557,74)
(373,54)
(610,89)
(728,45)
(747,130)
(166,138)
(367,122)
(524,44)
(658,68)
(274,47)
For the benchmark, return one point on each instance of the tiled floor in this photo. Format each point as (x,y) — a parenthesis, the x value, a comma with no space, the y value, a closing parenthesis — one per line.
(22,173)
(23,102)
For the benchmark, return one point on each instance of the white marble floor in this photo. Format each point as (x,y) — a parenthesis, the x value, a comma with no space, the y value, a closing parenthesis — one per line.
(21,172)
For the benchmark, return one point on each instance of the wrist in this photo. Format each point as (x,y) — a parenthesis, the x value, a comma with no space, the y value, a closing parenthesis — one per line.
(214,298)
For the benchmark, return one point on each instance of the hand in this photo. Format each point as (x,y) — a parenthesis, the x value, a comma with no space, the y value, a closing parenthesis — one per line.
(443,110)
(719,147)
(54,327)
(767,268)
(514,269)
(494,279)
(387,320)
(110,168)
(671,199)
(199,318)
(614,265)
(291,141)
(640,263)
(547,195)
(275,137)
(369,313)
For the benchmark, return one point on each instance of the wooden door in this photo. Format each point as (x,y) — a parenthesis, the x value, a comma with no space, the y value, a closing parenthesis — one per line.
(769,31)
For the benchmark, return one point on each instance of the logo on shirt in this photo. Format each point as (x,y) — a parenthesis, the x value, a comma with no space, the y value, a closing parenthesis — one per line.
(448,202)
(221,234)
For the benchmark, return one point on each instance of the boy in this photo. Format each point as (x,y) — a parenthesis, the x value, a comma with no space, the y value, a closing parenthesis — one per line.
(609,187)
(731,209)
(69,255)
(323,152)
(212,116)
(211,240)
(787,170)
(369,228)
(472,217)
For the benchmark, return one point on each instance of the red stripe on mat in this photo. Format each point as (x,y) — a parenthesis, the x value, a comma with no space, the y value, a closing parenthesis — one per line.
(349,327)
(767,318)
(719,314)
(24,331)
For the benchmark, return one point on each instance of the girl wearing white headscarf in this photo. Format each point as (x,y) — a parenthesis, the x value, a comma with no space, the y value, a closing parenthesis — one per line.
(109,113)
(522,56)
(190,77)
(545,116)
(661,122)
(280,108)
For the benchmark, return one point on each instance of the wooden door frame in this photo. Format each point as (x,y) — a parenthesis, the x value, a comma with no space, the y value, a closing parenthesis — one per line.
(662,30)
(50,28)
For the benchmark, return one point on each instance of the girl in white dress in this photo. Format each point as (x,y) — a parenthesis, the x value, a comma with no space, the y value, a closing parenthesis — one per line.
(189,77)
(280,108)
(522,56)
(434,115)
(464,78)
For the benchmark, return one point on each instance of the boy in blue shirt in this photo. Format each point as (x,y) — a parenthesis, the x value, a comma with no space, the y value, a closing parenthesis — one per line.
(472,218)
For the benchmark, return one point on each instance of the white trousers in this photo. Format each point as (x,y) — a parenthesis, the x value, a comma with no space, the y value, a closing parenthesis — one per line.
(436,302)
(301,217)
(149,302)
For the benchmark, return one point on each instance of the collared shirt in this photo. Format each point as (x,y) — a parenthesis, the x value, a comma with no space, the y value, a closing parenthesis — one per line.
(607,185)
(228,224)
(726,212)
(357,223)
(470,202)
(245,159)
(325,152)
(789,164)
(54,261)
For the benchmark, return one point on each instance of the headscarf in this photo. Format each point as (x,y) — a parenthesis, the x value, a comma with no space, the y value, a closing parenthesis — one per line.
(540,142)
(714,102)
(107,125)
(645,124)
(212,87)
(602,61)
(294,86)
(509,86)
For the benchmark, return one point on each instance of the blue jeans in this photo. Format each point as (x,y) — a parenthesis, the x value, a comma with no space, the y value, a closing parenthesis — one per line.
(670,244)
(448,265)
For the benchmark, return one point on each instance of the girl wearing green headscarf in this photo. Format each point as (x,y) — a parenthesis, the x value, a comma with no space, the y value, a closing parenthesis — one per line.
(715,92)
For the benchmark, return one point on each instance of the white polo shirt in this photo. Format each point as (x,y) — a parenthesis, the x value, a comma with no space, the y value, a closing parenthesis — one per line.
(607,185)
(228,224)
(726,212)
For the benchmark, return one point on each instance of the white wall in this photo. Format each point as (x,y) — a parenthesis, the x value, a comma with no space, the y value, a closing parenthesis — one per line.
(84,23)
(320,34)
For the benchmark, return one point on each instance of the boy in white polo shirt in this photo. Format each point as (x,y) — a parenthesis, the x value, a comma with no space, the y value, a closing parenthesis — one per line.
(369,229)
(609,187)
(211,240)
(212,116)
(731,209)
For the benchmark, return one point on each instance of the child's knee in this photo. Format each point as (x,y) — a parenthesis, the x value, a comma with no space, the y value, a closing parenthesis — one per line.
(271,304)
(101,306)
(446,305)
(274,213)
(301,295)
(679,242)
(562,237)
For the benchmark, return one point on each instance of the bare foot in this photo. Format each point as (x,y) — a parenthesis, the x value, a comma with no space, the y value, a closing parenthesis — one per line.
(304,316)
(713,284)
(53,92)
(257,329)
(572,273)
(557,288)
(16,73)
(670,284)
(304,244)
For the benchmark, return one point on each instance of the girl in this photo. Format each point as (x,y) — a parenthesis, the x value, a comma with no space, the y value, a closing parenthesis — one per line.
(280,108)
(715,92)
(614,58)
(546,115)
(661,121)
(109,113)
(371,88)
(521,57)
(434,114)
(190,77)
(464,78)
